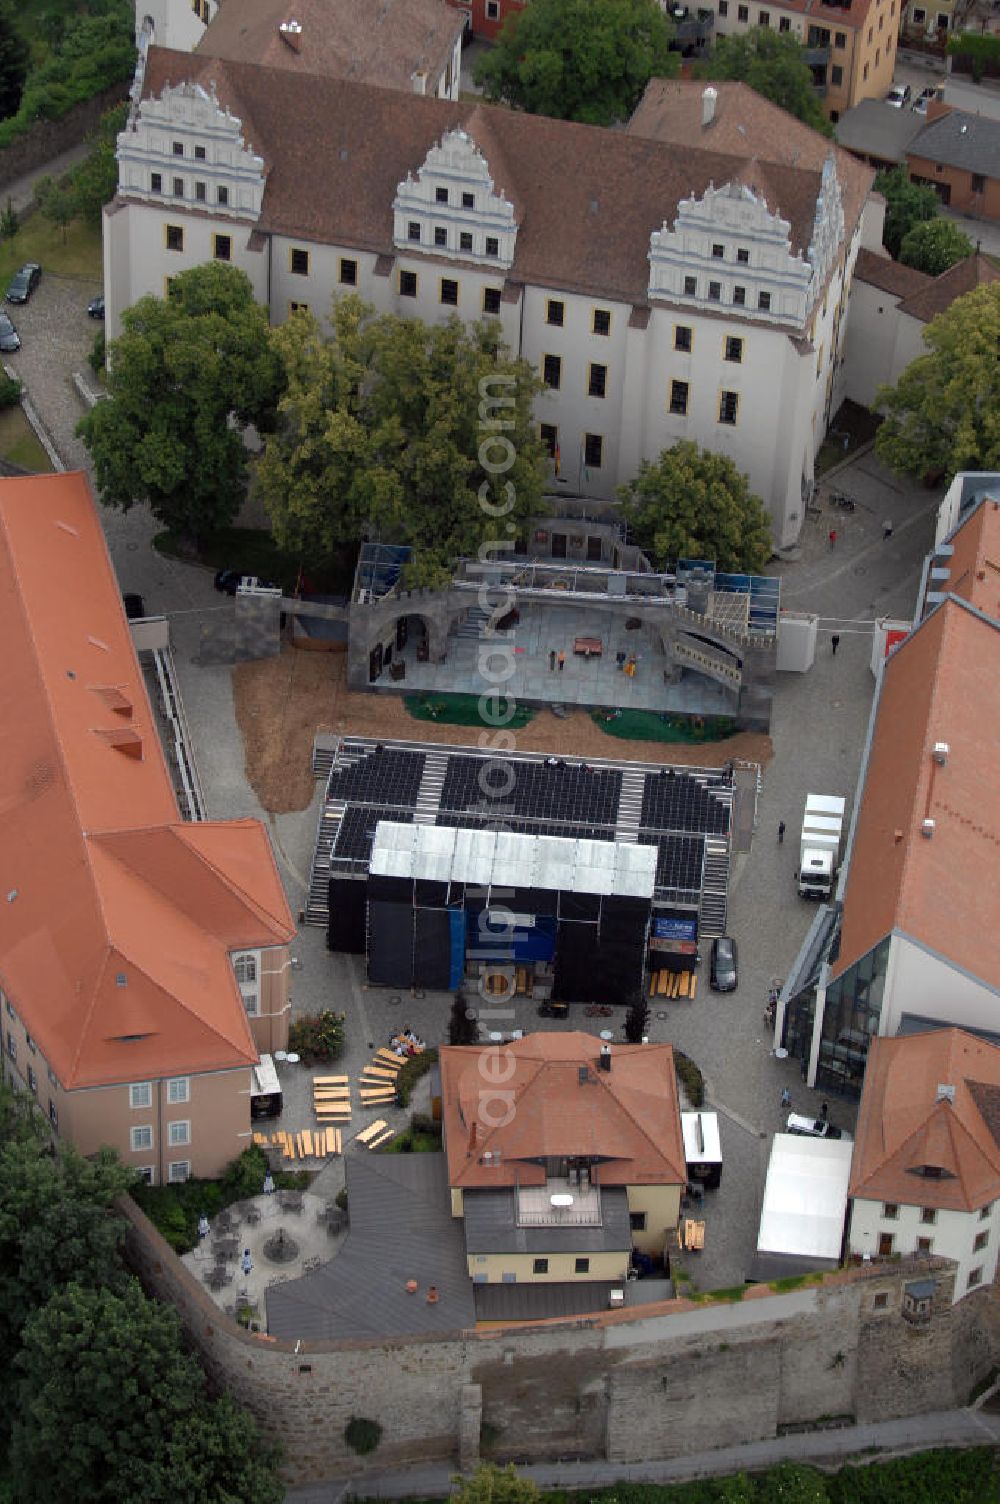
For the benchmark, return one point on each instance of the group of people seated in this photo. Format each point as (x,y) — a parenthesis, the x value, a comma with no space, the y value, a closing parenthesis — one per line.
(406,1043)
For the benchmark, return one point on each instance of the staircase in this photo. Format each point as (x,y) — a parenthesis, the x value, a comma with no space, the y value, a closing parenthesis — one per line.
(714,888)
(428,801)
(630,806)
(317,909)
(473,623)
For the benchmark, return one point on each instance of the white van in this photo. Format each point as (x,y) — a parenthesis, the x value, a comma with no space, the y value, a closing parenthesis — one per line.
(265,1090)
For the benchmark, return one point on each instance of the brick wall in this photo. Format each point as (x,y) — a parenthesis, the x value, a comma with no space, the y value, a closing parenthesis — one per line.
(654,1382)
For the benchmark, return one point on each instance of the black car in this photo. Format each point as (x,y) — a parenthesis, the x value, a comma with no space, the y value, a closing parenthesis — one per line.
(95,308)
(228,581)
(723,965)
(10,340)
(24,282)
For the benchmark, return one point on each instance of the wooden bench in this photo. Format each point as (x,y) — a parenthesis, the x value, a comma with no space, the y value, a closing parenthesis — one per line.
(372,1131)
(388,1058)
(694,986)
(374,1143)
(382,1071)
(333,1094)
(330,1080)
(694,1234)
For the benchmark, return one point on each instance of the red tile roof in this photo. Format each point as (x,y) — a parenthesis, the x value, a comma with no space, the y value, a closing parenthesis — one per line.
(890,276)
(926,302)
(903,1127)
(360,143)
(939,685)
(627,1117)
(383,42)
(974,565)
(119,918)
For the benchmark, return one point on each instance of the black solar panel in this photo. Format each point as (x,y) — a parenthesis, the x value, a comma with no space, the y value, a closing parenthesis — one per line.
(389,777)
(676,801)
(356,831)
(493,820)
(679,859)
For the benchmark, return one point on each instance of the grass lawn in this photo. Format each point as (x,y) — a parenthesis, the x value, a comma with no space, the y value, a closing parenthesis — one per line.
(75,253)
(463,710)
(18,443)
(649,726)
(409,1142)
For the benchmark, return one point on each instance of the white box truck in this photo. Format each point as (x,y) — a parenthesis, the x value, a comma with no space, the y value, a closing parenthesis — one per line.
(821,845)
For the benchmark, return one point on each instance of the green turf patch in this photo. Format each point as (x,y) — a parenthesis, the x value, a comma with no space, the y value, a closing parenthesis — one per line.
(467,710)
(73,252)
(650,726)
(19,445)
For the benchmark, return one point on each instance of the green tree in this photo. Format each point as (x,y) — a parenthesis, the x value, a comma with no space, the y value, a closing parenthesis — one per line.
(105,1385)
(54,198)
(95,182)
(772,63)
(583,60)
(185,378)
(14,58)
(906,204)
(933,245)
(692,504)
(490,1484)
(388,427)
(943,414)
(463,1026)
(636,1020)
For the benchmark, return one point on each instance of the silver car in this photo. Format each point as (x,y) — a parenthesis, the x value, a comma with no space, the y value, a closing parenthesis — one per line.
(10,340)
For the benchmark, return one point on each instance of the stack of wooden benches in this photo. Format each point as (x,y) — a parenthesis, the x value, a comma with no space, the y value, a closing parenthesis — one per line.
(375,1134)
(332,1099)
(665,983)
(378,1079)
(318,1143)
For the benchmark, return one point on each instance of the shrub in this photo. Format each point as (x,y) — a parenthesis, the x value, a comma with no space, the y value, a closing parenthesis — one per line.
(422,1122)
(9,222)
(362,1435)
(410,1073)
(97,357)
(341,1198)
(317,1037)
(10,390)
(691,1078)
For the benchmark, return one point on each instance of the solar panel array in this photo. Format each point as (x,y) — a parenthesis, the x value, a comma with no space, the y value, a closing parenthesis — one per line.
(679,859)
(356,831)
(679,802)
(492,820)
(390,777)
(570,794)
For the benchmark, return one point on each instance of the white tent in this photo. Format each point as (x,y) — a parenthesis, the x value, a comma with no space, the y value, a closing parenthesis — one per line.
(805,1197)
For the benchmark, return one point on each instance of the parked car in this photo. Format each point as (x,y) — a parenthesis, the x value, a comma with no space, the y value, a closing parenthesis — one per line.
(228,580)
(898,95)
(923,99)
(10,340)
(24,282)
(95,308)
(723,965)
(814,1127)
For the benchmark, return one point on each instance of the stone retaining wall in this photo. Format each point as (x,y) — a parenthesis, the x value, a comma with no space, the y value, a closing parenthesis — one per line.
(48,139)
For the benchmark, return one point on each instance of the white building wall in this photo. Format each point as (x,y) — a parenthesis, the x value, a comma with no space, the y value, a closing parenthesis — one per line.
(953,1235)
(921,983)
(172,23)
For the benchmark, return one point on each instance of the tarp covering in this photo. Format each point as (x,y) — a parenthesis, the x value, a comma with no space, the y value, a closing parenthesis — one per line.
(805,1196)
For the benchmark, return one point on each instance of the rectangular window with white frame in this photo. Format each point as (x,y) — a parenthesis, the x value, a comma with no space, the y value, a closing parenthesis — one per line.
(178,1170)
(140,1094)
(178,1090)
(179,1133)
(141,1138)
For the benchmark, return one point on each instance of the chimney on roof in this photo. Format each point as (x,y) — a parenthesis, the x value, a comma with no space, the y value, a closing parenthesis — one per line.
(709,98)
(290,33)
(605,1058)
(945,1094)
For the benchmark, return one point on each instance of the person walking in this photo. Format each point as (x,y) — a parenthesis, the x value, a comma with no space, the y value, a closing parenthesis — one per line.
(552,660)
(786,1097)
(781,832)
(246,1262)
(833,537)
(887,529)
(562,660)
(835,643)
(824,1112)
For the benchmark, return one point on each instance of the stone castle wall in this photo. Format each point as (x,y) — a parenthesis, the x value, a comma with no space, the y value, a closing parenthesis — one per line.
(639,1384)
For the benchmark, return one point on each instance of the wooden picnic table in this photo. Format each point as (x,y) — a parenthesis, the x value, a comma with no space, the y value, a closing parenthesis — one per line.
(694,1234)
(290,1201)
(225,1248)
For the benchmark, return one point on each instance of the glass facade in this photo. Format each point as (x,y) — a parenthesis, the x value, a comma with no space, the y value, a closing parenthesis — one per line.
(850,1021)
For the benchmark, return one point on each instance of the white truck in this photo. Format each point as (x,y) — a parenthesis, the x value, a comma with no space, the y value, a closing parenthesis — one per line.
(821,845)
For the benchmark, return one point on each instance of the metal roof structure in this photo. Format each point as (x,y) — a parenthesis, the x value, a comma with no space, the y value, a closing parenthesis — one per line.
(702,1144)
(805,1197)
(561,864)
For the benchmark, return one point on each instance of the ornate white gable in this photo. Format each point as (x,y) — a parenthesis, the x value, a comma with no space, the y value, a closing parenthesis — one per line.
(828,226)
(727,250)
(186,149)
(451,207)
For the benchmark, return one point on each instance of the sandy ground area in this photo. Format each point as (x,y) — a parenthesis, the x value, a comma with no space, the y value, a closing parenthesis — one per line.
(282,702)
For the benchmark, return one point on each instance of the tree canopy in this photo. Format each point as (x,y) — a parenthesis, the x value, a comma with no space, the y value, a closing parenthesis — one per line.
(943,414)
(586,60)
(414,433)
(906,204)
(14,59)
(490,1484)
(186,377)
(771,62)
(692,504)
(934,245)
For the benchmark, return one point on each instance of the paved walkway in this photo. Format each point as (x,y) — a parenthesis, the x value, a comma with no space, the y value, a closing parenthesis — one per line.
(21,191)
(946,1428)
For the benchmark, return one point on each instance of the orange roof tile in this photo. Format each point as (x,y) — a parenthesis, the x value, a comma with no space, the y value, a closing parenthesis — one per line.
(926,302)
(889,276)
(903,1128)
(939,685)
(974,566)
(119,918)
(628,1116)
